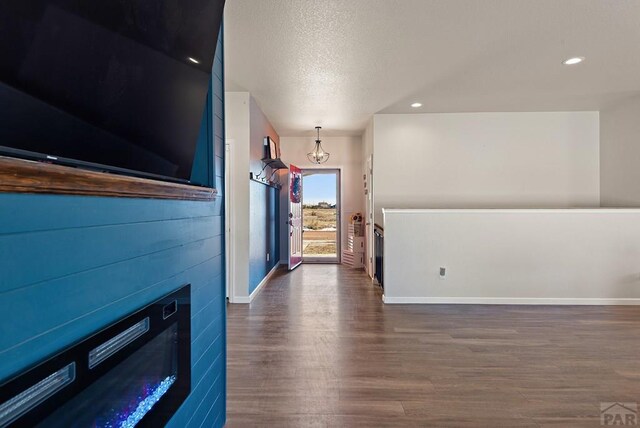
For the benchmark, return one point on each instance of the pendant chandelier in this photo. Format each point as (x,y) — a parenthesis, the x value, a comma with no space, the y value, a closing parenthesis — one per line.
(318,155)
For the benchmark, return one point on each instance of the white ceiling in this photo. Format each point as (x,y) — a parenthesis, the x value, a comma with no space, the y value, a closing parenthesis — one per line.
(338,62)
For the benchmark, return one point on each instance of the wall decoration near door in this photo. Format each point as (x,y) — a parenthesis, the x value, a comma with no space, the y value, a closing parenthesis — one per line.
(296,188)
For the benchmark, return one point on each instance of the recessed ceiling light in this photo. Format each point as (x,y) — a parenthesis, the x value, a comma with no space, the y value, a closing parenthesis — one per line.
(193,60)
(416,105)
(573,61)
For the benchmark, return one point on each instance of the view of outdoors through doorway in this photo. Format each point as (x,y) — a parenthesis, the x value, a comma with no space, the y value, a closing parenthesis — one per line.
(321,212)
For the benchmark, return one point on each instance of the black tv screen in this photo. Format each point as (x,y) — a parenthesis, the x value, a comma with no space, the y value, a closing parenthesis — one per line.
(117,85)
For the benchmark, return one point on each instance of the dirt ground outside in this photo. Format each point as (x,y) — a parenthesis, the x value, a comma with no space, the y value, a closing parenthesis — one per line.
(317,241)
(319,218)
(320,235)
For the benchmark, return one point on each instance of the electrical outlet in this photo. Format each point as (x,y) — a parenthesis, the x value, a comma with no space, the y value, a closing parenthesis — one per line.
(443,272)
(268,256)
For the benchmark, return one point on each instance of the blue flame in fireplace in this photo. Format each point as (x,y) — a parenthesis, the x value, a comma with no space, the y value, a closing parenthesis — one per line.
(151,395)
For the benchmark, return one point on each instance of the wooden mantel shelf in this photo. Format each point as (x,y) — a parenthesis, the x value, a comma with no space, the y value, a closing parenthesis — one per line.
(24,176)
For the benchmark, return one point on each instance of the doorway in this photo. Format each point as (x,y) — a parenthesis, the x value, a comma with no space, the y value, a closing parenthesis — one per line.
(321,216)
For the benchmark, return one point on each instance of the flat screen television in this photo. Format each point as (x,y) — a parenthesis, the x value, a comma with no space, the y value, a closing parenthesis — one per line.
(112,85)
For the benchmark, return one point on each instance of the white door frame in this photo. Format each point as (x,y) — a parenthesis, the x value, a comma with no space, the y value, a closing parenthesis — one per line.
(229,238)
(338,258)
(369,219)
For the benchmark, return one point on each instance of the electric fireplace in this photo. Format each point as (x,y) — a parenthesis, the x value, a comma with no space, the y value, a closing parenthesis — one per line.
(136,372)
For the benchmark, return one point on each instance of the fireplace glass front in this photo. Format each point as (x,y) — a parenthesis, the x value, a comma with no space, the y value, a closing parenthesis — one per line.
(136,372)
(127,392)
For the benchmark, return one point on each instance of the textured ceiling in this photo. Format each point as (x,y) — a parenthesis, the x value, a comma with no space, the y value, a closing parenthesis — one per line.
(338,62)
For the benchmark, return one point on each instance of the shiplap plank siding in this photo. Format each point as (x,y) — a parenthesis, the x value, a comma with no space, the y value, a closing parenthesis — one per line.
(71,265)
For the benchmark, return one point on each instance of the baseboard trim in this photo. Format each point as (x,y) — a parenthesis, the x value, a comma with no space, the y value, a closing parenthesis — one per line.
(263,282)
(507,301)
(248,299)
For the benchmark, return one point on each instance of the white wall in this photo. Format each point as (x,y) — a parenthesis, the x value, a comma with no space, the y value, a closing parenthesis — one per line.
(246,127)
(346,154)
(260,128)
(486,160)
(620,154)
(512,256)
(237,128)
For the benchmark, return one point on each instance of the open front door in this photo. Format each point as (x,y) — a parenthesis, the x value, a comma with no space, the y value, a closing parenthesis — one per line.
(295,217)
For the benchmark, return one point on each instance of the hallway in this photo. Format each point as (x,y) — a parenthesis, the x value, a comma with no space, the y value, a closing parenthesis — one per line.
(318,348)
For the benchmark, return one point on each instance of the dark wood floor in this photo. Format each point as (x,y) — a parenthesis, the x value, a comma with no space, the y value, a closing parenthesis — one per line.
(318,348)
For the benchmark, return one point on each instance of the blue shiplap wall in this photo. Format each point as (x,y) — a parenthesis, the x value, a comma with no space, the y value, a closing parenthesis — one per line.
(264,233)
(71,265)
